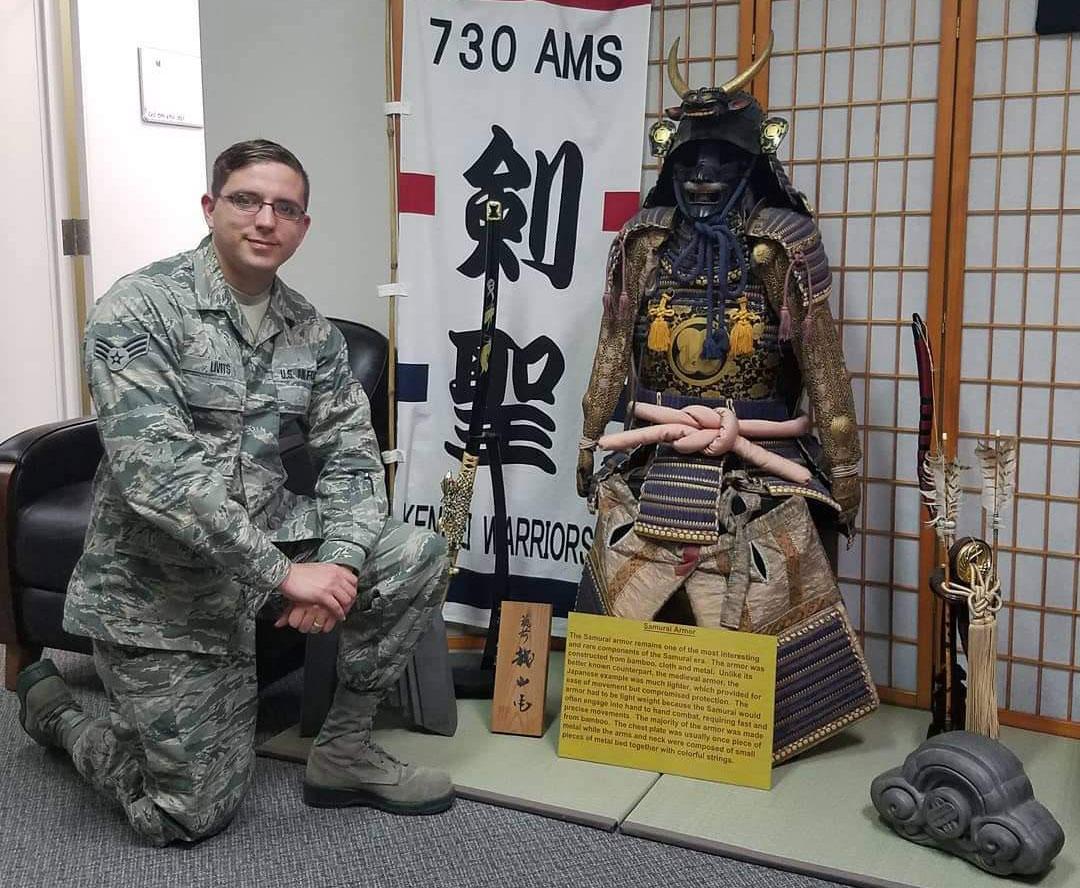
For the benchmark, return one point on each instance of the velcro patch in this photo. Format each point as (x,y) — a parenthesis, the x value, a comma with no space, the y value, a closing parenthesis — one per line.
(117,357)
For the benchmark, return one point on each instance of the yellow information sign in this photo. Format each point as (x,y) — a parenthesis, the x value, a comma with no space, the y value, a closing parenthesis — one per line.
(677,699)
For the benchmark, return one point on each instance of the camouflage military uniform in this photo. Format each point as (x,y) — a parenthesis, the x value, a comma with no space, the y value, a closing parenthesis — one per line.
(189,502)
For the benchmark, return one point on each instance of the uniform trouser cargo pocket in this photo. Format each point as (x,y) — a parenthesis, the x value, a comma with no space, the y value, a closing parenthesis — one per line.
(176,750)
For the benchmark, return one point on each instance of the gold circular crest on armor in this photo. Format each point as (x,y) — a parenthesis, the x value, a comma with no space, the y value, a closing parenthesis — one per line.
(685,356)
(974,555)
(841,425)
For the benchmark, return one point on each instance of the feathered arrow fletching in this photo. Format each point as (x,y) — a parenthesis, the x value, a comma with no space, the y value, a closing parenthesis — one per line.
(932,486)
(942,493)
(997,459)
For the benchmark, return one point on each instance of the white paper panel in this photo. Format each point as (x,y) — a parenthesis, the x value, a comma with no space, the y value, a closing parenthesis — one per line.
(1020,352)
(863,150)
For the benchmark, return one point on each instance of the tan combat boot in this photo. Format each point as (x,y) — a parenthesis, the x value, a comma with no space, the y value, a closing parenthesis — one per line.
(346,767)
(47,711)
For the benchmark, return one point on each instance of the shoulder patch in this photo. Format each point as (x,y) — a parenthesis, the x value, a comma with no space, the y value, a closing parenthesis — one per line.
(117,357)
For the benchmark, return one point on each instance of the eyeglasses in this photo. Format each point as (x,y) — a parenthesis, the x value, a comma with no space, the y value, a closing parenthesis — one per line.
(249,203)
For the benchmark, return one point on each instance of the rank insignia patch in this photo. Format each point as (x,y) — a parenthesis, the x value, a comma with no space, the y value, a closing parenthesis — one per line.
(117,357)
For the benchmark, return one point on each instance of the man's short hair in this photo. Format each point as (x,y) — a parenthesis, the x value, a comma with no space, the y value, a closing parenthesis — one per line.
(244,154)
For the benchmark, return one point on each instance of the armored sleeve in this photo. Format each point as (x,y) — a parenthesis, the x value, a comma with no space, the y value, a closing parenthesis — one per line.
(791,260)
(628,270)
(611,363)
(159,465)
(350,489)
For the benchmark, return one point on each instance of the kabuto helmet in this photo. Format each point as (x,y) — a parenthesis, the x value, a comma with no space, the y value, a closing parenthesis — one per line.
(725,114)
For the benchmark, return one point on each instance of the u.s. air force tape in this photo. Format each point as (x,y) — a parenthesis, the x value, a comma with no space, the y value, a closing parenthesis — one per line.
(398,109)
(118,356)
(398,289)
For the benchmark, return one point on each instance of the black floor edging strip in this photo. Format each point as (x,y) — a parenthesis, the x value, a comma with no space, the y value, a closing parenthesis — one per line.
(748,855)
(556,812)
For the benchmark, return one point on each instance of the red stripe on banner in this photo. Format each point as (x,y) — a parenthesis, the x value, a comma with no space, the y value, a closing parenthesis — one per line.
(595,5)
(619,208)
(416,193)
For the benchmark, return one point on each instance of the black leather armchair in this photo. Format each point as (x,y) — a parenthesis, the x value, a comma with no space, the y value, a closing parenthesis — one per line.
(45,493)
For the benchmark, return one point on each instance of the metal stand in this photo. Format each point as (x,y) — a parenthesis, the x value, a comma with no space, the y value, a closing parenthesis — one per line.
(949,695)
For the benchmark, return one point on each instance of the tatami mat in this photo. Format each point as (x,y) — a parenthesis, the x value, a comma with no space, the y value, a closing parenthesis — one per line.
(818,819)
(524,772)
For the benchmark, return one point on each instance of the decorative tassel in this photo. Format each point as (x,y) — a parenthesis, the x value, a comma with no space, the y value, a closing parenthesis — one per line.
(742,334)
(785,321)
(981,716)
(742,339)
(998,462)
(807,324)
(659,335)
(659,331)
(716,344)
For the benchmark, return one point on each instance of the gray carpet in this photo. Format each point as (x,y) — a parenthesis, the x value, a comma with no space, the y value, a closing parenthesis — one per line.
(54,831)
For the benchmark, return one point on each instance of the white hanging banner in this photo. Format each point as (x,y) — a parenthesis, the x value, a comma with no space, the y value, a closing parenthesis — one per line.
(538,104)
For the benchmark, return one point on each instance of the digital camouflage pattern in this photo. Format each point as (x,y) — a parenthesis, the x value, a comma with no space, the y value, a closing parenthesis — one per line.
(177,748)
(190,497)
(189,522)
(402,583)
(176,751)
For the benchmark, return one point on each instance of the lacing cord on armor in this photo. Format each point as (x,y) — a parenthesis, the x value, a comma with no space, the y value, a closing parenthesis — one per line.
(612,305)
(699,257)
(790,283)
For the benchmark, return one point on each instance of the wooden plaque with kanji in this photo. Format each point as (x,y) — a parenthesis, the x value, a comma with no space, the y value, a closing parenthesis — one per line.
(521,667)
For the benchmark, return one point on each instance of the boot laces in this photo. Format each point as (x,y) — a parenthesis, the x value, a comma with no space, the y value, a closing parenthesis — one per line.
(379,752)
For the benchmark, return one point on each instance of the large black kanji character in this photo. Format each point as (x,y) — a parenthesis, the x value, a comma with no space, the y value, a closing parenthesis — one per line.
(497,173)
(522,428)
(560,270)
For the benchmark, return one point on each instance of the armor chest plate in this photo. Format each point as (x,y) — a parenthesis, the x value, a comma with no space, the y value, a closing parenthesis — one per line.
(672,360)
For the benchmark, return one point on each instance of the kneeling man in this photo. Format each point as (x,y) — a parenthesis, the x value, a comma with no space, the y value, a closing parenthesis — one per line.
(195,363)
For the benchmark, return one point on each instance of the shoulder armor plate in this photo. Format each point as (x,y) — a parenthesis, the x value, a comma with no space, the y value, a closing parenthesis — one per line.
(800,238)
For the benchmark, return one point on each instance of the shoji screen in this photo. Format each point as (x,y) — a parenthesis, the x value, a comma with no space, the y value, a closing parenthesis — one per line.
(858,81)
(1020,355)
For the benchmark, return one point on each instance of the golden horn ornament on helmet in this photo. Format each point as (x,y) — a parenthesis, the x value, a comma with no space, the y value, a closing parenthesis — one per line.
(742,79)
(677,83)
(732,86)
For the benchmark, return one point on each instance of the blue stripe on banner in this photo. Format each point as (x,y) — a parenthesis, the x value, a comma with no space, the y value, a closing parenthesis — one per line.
(412,382)
(476,589)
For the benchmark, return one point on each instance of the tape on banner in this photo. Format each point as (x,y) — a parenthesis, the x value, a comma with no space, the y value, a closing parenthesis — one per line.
(393,456)
(397,289)
(401,109)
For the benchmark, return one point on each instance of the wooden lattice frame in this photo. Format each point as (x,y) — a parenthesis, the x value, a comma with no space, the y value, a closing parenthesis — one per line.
(945,268)
(1032,505)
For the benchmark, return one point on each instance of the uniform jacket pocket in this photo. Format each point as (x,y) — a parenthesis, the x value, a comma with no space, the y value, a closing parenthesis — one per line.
(293,371)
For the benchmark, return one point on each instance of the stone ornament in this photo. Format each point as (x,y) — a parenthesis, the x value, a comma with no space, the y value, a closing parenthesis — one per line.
(967,794)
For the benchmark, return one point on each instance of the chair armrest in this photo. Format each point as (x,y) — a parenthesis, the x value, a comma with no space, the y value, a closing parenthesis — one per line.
(7,599)
(32,463)
(50,456)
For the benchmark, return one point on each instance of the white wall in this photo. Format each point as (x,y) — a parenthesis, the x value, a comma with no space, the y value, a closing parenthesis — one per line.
(311,76)
(38,317)
(143,180)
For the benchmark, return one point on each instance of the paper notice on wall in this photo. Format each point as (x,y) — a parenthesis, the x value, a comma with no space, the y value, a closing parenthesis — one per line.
(170,86)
